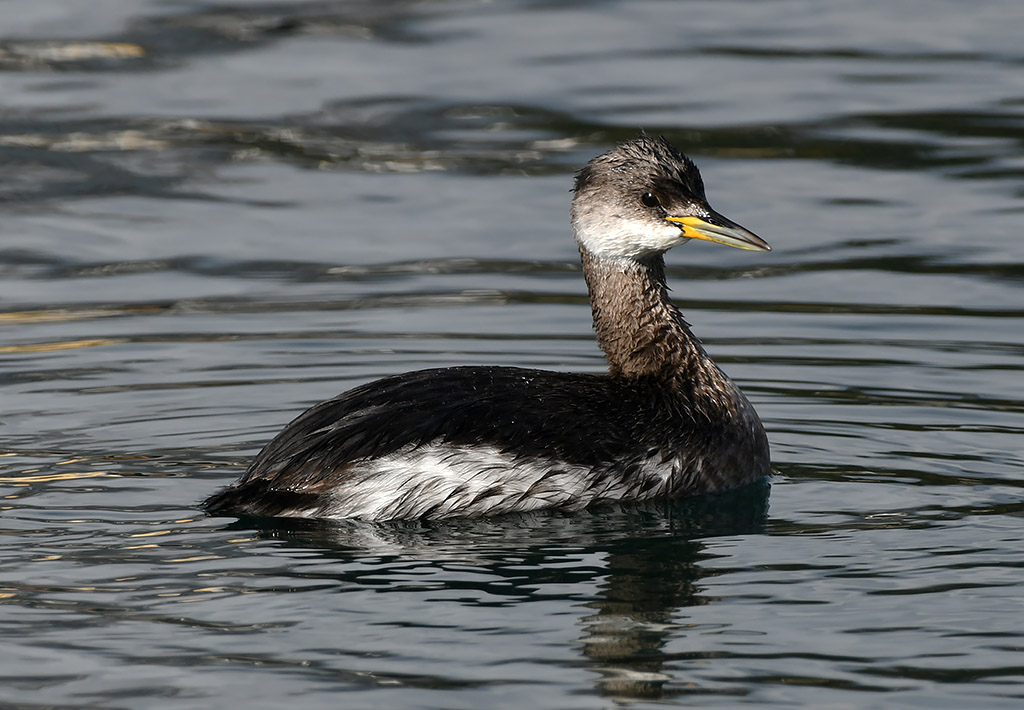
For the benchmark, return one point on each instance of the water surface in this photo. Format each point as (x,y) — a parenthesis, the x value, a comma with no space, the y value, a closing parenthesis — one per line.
(216,215)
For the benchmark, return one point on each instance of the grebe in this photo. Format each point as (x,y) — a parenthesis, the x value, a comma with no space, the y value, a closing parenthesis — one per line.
(472,441)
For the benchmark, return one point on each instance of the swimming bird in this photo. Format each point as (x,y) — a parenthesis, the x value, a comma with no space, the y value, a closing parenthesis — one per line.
(664,421)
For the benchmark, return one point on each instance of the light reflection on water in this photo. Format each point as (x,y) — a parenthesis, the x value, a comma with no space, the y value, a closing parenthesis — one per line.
(214,217)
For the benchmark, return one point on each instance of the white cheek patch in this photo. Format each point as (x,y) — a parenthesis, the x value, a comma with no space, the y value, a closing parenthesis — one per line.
(621,237)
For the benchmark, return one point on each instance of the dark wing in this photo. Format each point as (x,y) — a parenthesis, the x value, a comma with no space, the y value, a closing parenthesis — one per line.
(576,418)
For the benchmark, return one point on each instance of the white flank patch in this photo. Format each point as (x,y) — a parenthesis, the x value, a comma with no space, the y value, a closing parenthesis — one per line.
(439,480)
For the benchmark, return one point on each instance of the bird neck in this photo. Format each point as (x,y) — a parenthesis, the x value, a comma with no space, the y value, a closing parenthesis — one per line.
(639,329)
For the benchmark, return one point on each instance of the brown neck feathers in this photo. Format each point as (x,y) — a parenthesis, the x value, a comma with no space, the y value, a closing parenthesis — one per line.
(637,326)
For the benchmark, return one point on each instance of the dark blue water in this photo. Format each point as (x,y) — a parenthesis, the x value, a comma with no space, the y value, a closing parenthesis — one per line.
(214,215)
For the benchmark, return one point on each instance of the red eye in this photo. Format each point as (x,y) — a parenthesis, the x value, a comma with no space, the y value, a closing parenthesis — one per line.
(649,199)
